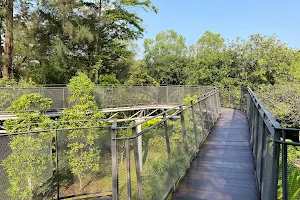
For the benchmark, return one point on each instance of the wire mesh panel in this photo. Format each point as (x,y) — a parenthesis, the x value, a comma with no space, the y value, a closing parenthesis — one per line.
(267,191)
(154,164)
(259,149)
(230,97)
(152,155)
(190,132)
(84,162)
(293,172)
(199,123)
(59,97)
(26,166)
(178,155)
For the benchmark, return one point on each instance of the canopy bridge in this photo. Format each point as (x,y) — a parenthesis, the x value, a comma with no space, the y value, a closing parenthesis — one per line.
(167,142)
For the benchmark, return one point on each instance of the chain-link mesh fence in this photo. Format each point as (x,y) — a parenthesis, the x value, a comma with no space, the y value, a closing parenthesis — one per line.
(56,164)
(84,162)
(26,166)
(108,96)
(275,152)
(76,162)
(162,149)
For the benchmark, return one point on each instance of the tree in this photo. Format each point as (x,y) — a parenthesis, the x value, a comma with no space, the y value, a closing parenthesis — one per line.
(8,49)
(140,78)
(209,62)
(261,60)
(1,32)
(109,79)
(29,163)
(83,154)
(75,36)
(165,57)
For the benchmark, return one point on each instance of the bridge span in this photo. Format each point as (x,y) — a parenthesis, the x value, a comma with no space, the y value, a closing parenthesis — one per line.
(223,169)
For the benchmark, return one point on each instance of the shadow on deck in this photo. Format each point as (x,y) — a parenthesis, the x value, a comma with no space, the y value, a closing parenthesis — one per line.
(223,169)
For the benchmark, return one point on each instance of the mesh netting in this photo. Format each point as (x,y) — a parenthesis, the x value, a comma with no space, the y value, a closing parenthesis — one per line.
(26,166)
(84,162)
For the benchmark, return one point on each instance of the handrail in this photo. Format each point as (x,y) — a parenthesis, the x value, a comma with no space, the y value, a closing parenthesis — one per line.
(262,124)
(265,112)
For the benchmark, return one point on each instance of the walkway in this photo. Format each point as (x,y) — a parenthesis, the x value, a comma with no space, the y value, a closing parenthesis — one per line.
(223,168)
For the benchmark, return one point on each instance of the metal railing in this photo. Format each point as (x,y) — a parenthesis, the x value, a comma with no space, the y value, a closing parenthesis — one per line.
(108,96)
(142,161)
(274,149)
(148,162)
(43,164)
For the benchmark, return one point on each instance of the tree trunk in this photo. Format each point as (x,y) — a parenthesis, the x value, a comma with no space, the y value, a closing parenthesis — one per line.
(1,52)
(7,69)
(1,32)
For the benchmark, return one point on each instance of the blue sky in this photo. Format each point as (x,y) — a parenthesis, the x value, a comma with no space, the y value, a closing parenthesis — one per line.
(230,18)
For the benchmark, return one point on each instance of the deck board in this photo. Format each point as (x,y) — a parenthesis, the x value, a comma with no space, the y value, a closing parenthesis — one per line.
(223,169)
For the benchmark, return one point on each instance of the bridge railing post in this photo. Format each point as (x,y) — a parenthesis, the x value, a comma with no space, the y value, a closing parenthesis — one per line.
(171,174)
(186,149)
(127,148)
(201,116)
(137,165)
(195,124)
(114,156)
(284,167)
(207,117)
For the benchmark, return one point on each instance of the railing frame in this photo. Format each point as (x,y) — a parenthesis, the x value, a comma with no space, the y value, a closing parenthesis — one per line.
(257,112)
(213,109)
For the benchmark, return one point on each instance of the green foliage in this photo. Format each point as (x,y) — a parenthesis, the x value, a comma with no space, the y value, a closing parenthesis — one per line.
(76,36)
(30,102)
(189,99)
(7,92)
(29,164)
(141,78)
(165,57)
(282,100)
(109,79)
(83,154)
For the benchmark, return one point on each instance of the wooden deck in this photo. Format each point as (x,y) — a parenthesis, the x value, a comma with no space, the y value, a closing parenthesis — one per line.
(223,168)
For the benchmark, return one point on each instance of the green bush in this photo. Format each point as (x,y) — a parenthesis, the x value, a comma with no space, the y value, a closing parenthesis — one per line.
(82,153)
(29,164)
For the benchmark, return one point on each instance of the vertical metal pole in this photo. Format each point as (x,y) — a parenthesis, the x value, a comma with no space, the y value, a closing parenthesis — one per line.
(207,117)
(114,154)
(140,143)
(184,135)
(127,145)
(213,107)
(56,164)
(137,165)
(195,124)
(275,165)
(201,118)
(229,102)
(63,97)
(171,175)
(51,163)
(216,105)
(211,111)
(241,98)
(263,142)
(284,168)
(219,101)
(167,91)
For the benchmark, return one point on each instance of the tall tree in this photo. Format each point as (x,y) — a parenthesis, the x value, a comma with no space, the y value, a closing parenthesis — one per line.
(89,36)
(1,31)
(165,57)
(9,44)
